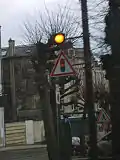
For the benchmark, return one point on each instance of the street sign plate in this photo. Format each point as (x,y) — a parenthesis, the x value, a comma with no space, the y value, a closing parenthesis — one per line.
(67,71)
(103,116)
(58,97)
(57,94)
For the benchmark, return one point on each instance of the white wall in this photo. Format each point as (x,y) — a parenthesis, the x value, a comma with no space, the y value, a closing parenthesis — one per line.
(20,133)
(29,132)
(34,132)
(39,132)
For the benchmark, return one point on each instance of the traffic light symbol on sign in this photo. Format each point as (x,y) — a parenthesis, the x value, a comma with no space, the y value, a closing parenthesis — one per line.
(62,65)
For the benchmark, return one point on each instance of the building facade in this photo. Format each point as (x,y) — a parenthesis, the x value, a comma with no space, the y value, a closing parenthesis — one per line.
(18,80)
(100,83)
(19,88)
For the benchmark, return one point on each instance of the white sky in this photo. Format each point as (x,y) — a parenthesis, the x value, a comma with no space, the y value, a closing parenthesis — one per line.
(14,12)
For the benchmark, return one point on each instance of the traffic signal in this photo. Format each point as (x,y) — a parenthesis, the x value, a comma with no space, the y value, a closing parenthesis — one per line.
(57,42)
(56,39)
(62,65)
(59,38)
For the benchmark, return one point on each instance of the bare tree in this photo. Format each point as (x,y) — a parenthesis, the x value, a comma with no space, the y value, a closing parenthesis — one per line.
(97,12)
(68,20)
(63,19)
(48,23)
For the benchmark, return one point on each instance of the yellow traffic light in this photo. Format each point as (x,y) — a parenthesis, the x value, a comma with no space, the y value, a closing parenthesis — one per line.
(59,38)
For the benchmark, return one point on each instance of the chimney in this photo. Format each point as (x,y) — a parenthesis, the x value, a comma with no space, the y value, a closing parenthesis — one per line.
(11,47)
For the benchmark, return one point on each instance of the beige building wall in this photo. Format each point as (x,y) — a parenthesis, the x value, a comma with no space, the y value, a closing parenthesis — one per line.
(76,58)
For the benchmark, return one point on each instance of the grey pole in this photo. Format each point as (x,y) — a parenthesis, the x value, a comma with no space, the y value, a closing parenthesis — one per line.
(89,97)
(58,117)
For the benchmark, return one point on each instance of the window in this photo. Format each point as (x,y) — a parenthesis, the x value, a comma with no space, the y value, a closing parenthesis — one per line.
(73,108)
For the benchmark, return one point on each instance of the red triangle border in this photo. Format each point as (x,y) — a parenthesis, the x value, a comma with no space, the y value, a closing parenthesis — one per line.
(100,115)
(62,74)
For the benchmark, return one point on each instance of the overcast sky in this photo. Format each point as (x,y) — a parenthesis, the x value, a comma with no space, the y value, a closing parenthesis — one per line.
(14,12)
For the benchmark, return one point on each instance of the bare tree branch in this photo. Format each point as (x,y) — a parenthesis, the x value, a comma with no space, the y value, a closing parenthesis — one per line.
(50,22)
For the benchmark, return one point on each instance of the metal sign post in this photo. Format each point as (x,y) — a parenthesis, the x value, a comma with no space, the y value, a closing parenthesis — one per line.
(62,68)
(58,117)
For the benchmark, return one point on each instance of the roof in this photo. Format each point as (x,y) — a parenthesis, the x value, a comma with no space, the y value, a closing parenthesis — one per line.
(20,50)
(26,49)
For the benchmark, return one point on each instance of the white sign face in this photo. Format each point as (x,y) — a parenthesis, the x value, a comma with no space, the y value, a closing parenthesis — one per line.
(66,71)
(58,97)
(57,94)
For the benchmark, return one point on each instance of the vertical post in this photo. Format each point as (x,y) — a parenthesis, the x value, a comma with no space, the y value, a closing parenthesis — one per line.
(0,65)
(12,79)
(58,117)
(114,82)
(53,104)
(113,72)
(0,40)
(89,86)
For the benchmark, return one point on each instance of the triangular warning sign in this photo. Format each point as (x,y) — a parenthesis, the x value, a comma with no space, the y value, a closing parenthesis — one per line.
(103,116)
(68,69)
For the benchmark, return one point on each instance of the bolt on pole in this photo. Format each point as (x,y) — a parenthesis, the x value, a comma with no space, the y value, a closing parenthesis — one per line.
(89,101)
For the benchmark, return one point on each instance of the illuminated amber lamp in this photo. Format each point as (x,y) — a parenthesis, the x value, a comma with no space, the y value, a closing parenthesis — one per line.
(59,38)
